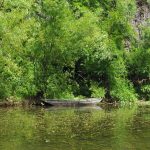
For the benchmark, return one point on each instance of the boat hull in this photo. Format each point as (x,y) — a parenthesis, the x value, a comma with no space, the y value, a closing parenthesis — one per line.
(70,103)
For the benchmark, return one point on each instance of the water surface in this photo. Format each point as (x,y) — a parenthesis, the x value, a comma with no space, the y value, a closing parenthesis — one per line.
(125,128)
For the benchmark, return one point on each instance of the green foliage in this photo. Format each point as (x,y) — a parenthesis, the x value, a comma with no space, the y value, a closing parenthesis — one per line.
(97,92)
(120,87)
(138,62)
(146,91)
(61,49)
(57,87)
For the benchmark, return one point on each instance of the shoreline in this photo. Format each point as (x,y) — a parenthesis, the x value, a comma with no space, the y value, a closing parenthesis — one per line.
(28,103)
(22,103)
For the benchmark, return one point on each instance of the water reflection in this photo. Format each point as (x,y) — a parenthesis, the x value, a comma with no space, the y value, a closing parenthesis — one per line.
(75,129)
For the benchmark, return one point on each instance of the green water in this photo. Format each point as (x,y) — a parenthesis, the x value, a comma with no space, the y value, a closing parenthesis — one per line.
(75,129)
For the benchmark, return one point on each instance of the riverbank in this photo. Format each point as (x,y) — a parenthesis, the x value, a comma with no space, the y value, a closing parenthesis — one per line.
(17,103)
(27,103)
(143,102)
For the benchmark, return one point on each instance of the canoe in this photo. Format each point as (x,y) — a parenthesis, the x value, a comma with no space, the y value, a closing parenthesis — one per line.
(74,103)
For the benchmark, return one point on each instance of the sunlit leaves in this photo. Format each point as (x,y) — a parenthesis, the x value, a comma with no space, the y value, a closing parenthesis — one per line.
(57,47)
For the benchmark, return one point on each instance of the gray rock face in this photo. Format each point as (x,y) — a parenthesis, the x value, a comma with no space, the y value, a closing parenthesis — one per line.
(142,15)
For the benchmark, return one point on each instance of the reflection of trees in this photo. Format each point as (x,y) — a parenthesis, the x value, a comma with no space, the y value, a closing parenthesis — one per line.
(80,124)
(92,124)
(141,120)
(140,128)
(122,128)
(16,128)
(123,118)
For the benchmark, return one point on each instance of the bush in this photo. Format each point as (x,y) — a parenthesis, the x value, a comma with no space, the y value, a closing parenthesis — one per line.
(97,91)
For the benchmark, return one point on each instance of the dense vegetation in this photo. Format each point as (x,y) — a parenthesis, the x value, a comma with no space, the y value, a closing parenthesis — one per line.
(74,48)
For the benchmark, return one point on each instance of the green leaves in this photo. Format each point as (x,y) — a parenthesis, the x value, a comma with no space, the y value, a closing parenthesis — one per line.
(97,91)
(65,48)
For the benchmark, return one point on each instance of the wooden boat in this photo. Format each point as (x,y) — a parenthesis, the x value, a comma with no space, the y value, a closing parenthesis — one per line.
(71,103)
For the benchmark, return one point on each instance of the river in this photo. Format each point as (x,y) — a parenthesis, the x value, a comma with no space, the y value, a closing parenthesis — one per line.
(125,128)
